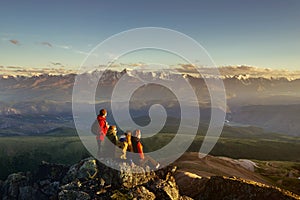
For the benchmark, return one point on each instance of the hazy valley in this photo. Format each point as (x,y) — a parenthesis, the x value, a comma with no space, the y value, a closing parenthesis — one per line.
(272,104)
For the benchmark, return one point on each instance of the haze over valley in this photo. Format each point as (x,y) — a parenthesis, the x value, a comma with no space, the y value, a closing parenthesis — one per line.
(44,101)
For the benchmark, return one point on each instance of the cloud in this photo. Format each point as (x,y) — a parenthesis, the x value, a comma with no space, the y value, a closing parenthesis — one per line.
(64,46)
(256,72)
(46,44)
(68,47)
(21,71)
(186,68)
(56,63)
(236,71)
(140,64)
(15,42)
(13,67)
(57,68)
(85,53)
(81,52)
(112,56)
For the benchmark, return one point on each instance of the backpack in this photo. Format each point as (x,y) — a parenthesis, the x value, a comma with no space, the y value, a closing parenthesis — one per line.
(95,128)
(122,138)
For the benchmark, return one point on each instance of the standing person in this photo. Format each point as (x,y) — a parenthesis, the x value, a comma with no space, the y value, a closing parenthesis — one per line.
(138,148)
(103,127)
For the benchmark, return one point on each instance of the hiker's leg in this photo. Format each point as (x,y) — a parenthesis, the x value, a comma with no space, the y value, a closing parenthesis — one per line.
(151,160)
(99,148)
(124,150)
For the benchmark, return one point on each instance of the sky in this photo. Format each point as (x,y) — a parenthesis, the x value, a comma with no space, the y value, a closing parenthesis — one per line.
(60,34)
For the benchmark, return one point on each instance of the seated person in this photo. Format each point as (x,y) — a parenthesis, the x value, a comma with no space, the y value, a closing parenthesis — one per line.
(112,134)
(142,159)
(110,143)
(125,144)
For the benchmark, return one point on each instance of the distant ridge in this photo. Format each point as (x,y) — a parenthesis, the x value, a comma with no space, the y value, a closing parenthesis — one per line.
(238,71)
(62,132)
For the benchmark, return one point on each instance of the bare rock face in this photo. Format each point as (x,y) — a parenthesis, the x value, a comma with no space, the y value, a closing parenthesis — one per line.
(234,188)
(165,189)
(190,184)
(91,179)
(71,194)
(51,172)
(11,187)
(84,170)
(141,192)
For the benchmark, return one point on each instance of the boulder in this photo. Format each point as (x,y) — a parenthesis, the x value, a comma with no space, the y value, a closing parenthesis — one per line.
(136,193)
(27,192)
(84,170)
(53,172)
(142,193)
(165,189)
(107,182)
(190,184)
(50,189)
(1,185)
(11,187)
(130,177)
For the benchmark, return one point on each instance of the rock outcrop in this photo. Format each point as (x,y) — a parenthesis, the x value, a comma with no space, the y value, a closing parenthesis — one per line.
(91,179)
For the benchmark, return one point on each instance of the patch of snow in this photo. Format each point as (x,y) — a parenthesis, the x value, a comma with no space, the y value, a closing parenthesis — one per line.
(247,164)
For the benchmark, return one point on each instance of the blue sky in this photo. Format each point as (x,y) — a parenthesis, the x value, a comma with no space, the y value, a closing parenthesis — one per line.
(255,33)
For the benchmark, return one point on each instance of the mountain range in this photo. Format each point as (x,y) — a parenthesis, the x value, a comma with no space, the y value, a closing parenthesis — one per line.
(270,103)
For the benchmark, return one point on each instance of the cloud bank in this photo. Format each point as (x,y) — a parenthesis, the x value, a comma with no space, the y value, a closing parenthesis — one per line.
(240,71)
(22,71)
(57,68)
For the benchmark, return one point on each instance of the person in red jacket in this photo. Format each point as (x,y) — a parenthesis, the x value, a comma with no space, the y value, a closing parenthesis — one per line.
(138,148)
(103,127)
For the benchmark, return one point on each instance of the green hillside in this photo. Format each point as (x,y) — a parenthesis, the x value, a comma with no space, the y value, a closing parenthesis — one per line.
(62,145)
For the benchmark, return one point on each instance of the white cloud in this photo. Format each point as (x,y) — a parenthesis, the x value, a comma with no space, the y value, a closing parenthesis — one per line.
(22,71)
(85,53)
(70,48)
(64,46)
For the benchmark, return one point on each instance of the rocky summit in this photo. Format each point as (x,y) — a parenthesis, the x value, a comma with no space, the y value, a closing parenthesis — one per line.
(91,179)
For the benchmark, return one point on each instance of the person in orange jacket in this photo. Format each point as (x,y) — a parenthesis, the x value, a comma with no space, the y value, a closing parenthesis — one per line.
(138,148)
(137,145)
